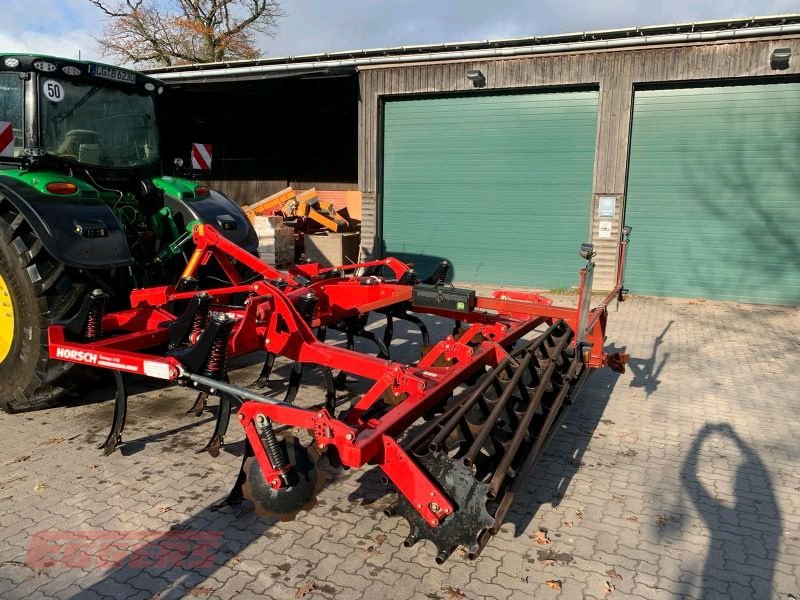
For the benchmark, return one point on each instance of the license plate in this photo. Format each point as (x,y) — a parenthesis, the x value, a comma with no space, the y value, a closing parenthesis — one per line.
(112,73)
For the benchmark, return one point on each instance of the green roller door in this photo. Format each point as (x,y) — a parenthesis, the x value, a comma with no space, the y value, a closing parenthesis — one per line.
(714,193)
(499,185)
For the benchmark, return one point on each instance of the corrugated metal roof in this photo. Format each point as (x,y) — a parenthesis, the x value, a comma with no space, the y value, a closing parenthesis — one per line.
(375,54)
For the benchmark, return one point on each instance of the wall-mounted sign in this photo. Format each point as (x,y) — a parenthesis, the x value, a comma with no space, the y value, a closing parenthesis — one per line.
(606,207)
(605,230)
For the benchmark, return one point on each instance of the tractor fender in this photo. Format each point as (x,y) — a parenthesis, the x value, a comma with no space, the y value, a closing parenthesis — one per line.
(219,211)
(79,232)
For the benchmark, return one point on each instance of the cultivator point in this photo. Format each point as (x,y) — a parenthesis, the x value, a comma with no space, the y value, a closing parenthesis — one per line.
(456,432)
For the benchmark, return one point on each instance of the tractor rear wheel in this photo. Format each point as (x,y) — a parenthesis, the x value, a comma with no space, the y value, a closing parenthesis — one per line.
(35,291)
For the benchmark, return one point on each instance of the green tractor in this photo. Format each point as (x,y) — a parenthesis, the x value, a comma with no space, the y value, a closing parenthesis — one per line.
(84,205)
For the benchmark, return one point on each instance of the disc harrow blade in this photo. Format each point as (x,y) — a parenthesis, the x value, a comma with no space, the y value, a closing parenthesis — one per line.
(285,503)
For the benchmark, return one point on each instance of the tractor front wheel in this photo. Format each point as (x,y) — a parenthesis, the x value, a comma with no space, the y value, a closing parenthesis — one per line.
(35,291)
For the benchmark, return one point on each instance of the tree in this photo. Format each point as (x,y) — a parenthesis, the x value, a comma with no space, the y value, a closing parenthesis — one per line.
(172,32)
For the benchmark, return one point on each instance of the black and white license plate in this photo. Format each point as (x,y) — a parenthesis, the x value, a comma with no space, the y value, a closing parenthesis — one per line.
(112,73)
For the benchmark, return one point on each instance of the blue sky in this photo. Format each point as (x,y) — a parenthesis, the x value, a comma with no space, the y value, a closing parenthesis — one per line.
(65,27)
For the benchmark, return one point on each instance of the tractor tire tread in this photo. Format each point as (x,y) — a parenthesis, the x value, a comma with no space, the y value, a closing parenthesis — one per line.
(51,295)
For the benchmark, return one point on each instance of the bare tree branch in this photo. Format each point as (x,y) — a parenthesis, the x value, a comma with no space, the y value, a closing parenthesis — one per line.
(168,32)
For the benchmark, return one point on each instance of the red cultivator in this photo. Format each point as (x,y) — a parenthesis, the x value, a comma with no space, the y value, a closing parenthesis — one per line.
(456,432)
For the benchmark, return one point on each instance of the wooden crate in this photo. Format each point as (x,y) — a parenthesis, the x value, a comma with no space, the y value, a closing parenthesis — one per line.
(332,249)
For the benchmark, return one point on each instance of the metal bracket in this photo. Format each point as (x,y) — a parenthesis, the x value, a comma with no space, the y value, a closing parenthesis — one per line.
(428,500)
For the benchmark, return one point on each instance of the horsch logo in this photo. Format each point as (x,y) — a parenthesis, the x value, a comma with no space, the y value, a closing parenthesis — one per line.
(77,355)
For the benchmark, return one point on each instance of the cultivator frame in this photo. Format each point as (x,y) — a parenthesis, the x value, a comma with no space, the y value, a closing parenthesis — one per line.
(457,473)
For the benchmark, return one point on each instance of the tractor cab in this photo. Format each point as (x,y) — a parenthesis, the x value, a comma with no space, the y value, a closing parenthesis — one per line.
(83,203)
(96,125)
(84,114)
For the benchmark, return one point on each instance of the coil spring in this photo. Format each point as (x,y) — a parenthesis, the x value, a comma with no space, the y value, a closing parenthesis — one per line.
(201,317)
(275,451)
(217,357)
(94,322)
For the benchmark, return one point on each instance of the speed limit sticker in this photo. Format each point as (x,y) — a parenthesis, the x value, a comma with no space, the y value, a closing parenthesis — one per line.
(53,90)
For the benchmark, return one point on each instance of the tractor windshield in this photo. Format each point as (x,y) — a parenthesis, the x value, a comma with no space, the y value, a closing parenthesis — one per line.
(97,124)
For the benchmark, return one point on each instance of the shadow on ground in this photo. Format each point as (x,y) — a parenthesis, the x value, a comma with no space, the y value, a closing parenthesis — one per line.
(745,529)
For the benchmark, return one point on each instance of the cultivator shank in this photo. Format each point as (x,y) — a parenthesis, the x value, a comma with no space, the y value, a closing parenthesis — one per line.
(456,431)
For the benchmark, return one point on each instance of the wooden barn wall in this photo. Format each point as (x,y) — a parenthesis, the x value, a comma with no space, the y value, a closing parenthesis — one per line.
(616,72)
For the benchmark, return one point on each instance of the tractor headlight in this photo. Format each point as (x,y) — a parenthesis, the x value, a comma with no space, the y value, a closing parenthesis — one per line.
(44,66)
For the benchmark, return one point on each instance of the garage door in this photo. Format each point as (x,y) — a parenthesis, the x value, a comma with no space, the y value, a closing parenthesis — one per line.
(714,193)
(499,185)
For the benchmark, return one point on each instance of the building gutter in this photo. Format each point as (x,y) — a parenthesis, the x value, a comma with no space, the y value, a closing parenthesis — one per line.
(262,71)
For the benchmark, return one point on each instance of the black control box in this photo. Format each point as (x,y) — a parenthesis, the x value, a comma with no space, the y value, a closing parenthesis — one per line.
(443,297)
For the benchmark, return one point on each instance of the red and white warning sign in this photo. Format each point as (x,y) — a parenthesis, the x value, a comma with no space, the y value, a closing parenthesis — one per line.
(6,139)
(201,157)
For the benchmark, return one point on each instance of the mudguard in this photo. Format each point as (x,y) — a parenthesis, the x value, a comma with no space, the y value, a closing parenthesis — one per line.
(80,232)
(217,210)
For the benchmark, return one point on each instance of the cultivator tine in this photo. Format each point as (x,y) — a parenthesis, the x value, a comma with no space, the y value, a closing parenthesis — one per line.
(199,406)
(383,350)
(388,331)
(235,496)
(208,355)
(483,445)
(426,338)
(295,378)
(266,371)
(340,381)
(114,438)
(330,390)
(220,426)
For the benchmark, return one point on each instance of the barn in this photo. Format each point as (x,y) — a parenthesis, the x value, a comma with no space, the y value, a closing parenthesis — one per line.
(503,156)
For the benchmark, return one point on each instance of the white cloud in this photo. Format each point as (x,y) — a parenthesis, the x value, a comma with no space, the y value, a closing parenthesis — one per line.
(56,27)
(320,26)
(66,45)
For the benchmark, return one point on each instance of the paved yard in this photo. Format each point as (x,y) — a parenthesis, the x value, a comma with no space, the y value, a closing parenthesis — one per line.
(679,479)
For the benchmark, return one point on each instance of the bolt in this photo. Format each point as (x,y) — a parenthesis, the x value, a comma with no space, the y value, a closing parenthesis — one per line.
(432,494)
(447,511)
(434,507)
(349,436)
(419,505)
(241,417)
(320,446)
(276,481)
(433,522)
(261,419)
